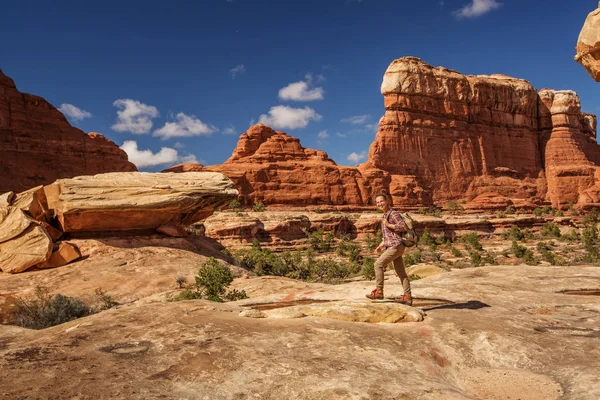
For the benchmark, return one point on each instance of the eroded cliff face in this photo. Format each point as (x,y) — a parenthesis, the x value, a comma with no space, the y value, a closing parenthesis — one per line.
(38,145)
(446,136)
(492,140)
(272,167)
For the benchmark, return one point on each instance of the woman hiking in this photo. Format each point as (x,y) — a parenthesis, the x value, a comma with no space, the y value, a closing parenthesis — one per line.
(391,249)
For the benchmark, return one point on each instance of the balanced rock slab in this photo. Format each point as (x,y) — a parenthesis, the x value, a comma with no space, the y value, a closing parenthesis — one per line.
(122,201)
(588,45)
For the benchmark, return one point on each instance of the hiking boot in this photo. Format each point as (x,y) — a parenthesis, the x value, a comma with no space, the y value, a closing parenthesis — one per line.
(404,299)
(376,294)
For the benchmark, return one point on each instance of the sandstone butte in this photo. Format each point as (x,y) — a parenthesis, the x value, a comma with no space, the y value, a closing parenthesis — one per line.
(38,145)
(491,140)
(588,44)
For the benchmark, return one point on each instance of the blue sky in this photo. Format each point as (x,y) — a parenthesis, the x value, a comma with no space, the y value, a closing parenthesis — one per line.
(180,80)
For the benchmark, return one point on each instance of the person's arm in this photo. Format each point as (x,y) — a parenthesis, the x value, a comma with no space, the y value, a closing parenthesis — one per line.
(397,223)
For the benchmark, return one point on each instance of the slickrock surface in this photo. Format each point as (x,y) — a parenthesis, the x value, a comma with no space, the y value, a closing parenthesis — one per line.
(136,200)
(492,140)
(494,333)
(38,145)
(588,45)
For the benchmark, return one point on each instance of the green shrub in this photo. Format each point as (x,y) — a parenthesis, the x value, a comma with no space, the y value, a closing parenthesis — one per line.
(471,240)
(186,294)
(510,210)
(373,241)
(528,258)
(235,294)
(412,258)
(349,248)
(413,277)
(214,279)
(500,214)
(106,301)
(235,205)
(456,252)
(514,233)
(329,270)
(488,259)
(550,229)
(518,250)
(44,310)
(320,242)
(368,268)
(259,207)
(570,237)
(181,280)
(591,217)
(589,239)
(540,212)
(476,260)
(455,208)
(427,239)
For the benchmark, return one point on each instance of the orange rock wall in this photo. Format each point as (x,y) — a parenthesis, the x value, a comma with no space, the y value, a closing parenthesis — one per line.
(38,145)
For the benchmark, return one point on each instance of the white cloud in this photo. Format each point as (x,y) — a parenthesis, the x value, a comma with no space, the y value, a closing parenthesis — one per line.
(146,158)
(189,159)
(230,130)
(338,134)
(357,119)
(354,157)
(134,116)
(74,113)
(235,71)
(323,134)
(179,145)
(184,126)
(300,91)
(284,117)
(477,8)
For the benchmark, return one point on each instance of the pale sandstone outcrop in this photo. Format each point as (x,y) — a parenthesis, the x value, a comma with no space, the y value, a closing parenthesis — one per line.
(499,332)
(64,254)
(136,200)
(31,247)
(38,145)
(588,45)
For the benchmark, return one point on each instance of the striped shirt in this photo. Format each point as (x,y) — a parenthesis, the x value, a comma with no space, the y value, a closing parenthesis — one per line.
(392,238)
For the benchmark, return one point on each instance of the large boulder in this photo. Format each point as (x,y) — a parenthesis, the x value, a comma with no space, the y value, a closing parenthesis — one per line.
(23,243)
(38,145)
(122,201)
(588,45)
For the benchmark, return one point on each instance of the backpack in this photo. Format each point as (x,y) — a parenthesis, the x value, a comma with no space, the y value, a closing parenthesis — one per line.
(410,237)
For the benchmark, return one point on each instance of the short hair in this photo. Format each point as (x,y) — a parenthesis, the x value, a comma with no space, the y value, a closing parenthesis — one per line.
(385,196)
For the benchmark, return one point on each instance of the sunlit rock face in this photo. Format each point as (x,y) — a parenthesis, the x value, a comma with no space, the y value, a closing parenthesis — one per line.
(588,45)
(491,140)
(38,145)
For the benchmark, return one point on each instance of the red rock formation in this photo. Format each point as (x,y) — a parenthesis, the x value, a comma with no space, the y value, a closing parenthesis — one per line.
(185,168)
(492,140)
(272,167)
(588,45)
(38,145)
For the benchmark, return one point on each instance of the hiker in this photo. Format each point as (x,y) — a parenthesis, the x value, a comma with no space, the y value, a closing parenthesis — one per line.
(391,249)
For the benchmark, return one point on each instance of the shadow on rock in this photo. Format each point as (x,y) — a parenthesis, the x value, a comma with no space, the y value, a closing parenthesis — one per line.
(469,305)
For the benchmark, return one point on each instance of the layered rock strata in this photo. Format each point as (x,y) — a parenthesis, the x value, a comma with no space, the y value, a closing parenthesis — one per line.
(38,145)
(491,140)
(273,168)
(588,45)
(126,201)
